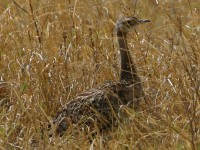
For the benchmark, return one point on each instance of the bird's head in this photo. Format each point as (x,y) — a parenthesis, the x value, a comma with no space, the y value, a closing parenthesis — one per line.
(127,23)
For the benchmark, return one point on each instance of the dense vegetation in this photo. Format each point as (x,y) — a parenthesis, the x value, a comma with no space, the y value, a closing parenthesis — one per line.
(51,50)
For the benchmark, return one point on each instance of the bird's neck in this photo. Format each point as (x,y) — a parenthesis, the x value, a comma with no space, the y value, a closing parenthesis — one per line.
(128,70)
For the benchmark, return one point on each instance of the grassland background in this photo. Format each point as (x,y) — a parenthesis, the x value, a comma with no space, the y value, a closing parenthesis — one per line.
(51,50)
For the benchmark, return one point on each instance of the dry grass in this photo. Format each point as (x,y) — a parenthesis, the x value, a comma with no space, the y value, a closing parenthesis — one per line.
(51,50)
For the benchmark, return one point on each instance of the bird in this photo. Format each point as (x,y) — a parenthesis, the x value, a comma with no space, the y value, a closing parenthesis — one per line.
(98,108)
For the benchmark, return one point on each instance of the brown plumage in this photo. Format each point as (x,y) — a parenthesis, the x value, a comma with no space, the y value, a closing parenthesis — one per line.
(98,108)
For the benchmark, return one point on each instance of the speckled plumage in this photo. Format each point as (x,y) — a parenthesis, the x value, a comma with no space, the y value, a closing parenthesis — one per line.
(96,107)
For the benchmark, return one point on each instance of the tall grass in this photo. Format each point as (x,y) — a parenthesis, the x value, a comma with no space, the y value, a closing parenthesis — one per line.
(51,50)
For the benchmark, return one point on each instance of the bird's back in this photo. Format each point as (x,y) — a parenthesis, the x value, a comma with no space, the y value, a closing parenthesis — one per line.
(96,108)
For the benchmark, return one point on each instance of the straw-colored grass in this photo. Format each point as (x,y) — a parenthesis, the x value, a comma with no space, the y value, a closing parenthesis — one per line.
(52,50)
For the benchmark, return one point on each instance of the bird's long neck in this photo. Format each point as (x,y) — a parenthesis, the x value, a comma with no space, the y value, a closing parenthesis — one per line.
(128,70)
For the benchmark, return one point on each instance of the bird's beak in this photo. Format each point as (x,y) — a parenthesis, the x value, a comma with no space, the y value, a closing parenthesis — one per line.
(144,21)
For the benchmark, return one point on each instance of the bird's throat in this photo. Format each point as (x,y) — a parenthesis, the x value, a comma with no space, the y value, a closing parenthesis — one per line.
(128,69)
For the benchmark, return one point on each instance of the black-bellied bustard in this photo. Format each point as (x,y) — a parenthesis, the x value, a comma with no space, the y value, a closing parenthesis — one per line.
(98,107)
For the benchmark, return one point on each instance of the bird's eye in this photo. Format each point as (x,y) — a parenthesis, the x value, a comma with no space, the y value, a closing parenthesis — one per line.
(129,21)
